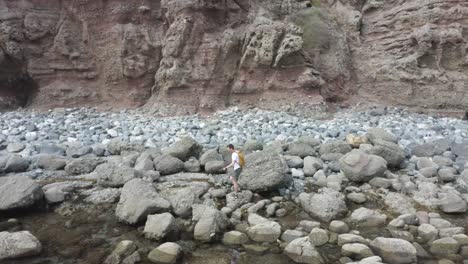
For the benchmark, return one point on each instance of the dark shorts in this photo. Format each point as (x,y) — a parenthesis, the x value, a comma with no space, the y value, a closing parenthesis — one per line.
(236,173)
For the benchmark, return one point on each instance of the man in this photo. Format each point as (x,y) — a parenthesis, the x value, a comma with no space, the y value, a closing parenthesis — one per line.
(237,167)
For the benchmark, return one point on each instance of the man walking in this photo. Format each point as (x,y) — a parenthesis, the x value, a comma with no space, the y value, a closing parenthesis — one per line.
(237,162)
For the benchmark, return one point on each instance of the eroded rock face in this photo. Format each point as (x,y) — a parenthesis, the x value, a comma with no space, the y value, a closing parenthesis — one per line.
(188,56)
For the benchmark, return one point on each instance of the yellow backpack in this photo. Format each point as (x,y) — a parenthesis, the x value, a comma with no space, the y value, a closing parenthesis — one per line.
(241,158)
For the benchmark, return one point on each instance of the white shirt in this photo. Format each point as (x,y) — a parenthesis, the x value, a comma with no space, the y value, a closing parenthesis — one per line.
(235,158)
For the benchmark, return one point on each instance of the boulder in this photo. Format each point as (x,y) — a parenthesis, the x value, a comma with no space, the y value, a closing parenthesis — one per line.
(214,167)
(82,165)
(167,253)
(378,133)
(50,149)
(309,140)
(182,199)
(78,151)
(361,167)
(210,155)
(113,175)
(144,163)
(192,165)
(252,145)
(123,250)
(184,148)
(290,235)
(167,164)
(427,232)
(356,251)
(394,250)
(18,192)
(16,163)
(15,147)
(428,149)
(294,162)
(18,244)
(301,250)
(338,227)
(51,162)
(365,217)
(399,203)
(325,205)
(334,147)
(211,223)
(312,165)
(139,199)
(355,140)
(390,151)
(265,232)
(264,172)
(235,201)
(300,149)
(351,238)
(160,226)
(452,203)
(445,246)
(318,236)
(235,238)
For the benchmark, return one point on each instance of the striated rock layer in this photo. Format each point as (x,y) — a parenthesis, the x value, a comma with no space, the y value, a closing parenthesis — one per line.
(207,54)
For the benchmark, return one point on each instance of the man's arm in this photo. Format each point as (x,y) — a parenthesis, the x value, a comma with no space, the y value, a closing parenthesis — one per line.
(228,166)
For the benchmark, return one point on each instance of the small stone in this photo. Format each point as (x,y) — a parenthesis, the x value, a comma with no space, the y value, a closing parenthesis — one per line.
(235,238)
(338,227)
(318,236)
(290,235)
(356,250)
(443,246)
(307,225)
(168,253)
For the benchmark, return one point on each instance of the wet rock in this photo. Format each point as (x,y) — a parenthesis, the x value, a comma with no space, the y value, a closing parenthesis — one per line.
(167,253)
(360,167)
(264,172)
(102,196)
(82,165)
(393,250)
(160,226)
(51,162)
(235,238)
(184,148)
(18,244)
(167,164)
(356,251)
(301,250)
(18,192)
(326,205)
(114,175)
(123,250)
(265,232)
(137,200)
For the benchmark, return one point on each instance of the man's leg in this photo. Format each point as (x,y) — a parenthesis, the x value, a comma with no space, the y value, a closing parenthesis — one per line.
(234,183)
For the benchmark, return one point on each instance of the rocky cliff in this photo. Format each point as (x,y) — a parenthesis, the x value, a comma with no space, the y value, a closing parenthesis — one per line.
(206,54)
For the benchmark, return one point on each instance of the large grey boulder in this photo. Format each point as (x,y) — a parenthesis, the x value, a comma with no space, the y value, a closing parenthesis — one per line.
(312,165)
(452,203)
(139,199)
(82,165)
(182,199)
(18,244)
(268,231)
(167,253)
(78,151)
(114,175)
(394,250)
(326,205)
(361,167)
(210,155)
(390,151)
(252,145)
(16,163)
(211,223)
(301,250)
(334,147)
(399,203)
(167,164)
(51,162)
(428,149)
(378,133)
(50,149)
(15,147)
(214,167)
(18,192)
(160,226)
(300,149)
(123,253)
(184,148)
(364,217)
(264,172)
(236,200)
